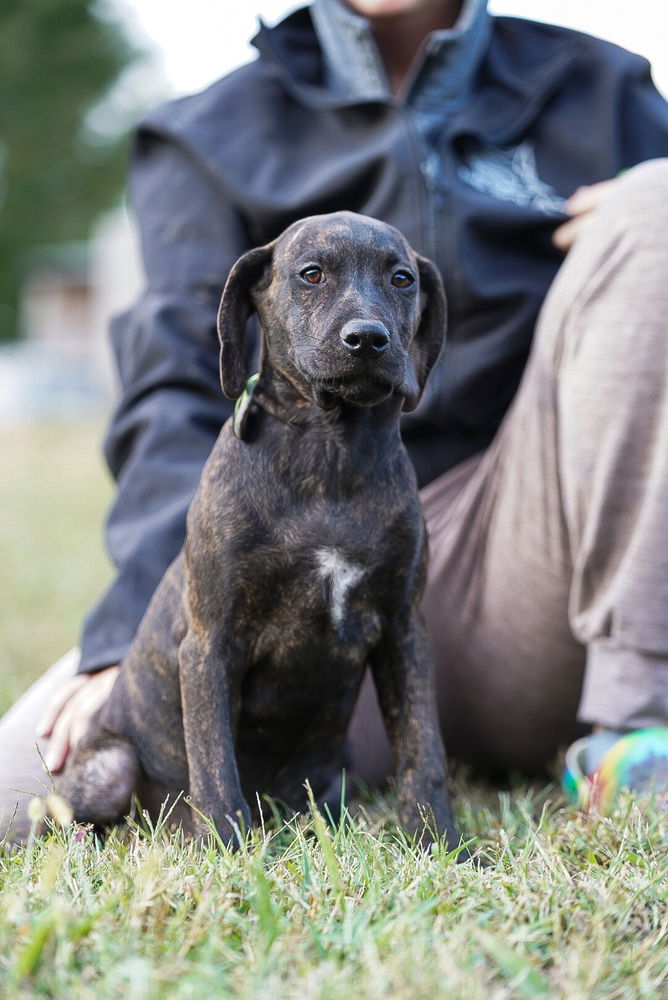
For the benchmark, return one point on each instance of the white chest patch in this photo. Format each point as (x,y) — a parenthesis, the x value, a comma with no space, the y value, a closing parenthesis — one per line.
(341,575)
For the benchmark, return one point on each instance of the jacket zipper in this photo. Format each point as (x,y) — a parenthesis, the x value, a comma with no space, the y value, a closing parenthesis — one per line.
(429,169)
(439,245)
(428,165)
(436,171)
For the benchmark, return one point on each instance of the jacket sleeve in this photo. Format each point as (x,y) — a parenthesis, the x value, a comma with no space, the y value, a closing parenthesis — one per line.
(171,407)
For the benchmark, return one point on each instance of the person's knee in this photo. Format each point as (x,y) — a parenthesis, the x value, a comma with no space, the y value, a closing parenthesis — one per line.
(640,203)
(607,306)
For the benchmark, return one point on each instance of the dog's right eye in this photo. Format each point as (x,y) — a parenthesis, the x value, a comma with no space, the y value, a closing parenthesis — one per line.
(313,275)
(402,279)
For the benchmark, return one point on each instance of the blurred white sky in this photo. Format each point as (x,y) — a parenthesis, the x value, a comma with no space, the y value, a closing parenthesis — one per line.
(200,40)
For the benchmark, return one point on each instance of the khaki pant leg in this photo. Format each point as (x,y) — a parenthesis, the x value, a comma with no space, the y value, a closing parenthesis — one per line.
(22,772)
(547,597)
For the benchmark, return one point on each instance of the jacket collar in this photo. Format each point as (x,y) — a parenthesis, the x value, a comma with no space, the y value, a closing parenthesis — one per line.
(353,67)
(449,60)
(523,64)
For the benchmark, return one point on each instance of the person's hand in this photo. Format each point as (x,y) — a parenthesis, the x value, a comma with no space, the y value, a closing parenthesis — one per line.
(579,206)
(66,718)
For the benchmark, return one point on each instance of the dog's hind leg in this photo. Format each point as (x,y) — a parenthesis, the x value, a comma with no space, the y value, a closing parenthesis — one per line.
(333,798)
(100,781)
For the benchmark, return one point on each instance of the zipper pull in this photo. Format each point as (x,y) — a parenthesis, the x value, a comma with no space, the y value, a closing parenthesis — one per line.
(430,170)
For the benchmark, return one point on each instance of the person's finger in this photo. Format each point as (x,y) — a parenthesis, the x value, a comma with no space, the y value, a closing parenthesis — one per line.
(587,198)
(57,703)
(87,702)
(75,715)
(579,206)
(564,236)
(78,727)
(59,743)
(69,727)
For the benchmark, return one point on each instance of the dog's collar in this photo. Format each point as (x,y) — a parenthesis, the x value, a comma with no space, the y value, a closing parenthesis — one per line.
(242,406)
(253,395)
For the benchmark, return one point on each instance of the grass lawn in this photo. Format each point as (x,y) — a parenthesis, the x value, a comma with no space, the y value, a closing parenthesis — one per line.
(54,490)
(569,905)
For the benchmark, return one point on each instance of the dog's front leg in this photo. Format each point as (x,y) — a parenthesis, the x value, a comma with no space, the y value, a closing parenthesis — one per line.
(210,698)
(404,678)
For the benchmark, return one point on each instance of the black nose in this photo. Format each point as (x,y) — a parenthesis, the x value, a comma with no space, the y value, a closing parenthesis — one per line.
(366,338)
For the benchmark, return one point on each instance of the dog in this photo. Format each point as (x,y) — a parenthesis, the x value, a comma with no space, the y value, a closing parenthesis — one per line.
(305,554)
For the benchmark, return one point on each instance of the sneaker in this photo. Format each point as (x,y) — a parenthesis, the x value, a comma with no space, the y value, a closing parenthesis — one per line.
(636,761)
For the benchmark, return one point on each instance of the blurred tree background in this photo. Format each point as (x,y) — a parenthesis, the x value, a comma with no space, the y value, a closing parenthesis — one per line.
(59,59)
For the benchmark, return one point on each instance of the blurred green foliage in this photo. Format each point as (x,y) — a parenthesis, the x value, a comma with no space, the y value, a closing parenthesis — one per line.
(58,58)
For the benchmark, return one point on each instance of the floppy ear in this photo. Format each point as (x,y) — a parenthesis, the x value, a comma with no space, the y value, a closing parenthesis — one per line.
(236,306)
(430,335)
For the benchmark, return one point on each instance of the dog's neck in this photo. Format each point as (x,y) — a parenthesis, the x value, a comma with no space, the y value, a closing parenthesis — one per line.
(337,446)
(282,397)
(303,406)
(332,452)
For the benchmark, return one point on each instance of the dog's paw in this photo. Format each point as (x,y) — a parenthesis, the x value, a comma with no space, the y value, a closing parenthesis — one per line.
(431,826)
(227,831)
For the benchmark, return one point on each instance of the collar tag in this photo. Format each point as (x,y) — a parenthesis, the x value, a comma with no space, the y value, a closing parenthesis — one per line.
(242,406)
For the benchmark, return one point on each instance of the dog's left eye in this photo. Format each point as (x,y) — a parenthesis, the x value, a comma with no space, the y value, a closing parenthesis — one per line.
(313,275)
(402,279)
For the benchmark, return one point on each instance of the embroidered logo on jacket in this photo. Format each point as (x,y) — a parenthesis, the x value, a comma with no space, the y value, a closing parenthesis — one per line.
(510,174)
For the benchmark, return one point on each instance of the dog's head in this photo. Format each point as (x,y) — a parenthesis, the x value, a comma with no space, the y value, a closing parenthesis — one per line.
(348,309)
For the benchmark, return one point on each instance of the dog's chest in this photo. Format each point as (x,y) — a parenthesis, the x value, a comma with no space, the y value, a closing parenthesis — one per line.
(313,647)
(339,577)
(323,606)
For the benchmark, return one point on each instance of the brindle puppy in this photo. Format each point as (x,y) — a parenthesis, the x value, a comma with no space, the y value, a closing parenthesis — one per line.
(305,554)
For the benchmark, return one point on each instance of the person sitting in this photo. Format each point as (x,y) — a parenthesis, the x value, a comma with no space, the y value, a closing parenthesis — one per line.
(525,159)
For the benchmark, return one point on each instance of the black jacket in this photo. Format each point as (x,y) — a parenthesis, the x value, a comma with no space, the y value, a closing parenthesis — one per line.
(229,168)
